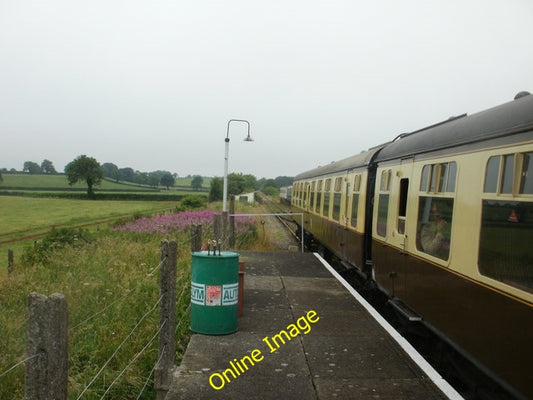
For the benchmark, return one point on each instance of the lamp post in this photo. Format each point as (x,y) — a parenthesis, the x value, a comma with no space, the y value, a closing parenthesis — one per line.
(246,139)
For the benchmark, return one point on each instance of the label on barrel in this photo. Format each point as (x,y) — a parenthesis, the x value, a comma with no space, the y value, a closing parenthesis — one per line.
(230,294)
(197,293)
(213,295)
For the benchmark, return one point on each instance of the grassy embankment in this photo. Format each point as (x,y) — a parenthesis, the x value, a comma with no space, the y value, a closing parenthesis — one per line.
(110,282)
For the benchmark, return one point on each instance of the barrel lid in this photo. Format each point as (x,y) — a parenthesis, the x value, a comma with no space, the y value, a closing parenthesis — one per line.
(223,254)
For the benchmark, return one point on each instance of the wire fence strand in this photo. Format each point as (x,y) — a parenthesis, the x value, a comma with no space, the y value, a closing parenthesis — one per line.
(20,363)
(134,359)
(119,347)
(128,294)
(151,372)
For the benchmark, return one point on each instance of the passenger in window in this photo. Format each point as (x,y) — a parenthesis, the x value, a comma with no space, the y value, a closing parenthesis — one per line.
(435,235)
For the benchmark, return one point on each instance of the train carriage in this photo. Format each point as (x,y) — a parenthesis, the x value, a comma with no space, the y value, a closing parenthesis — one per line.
(444,217)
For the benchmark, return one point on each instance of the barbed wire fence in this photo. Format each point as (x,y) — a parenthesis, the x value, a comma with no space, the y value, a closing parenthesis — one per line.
(46,359)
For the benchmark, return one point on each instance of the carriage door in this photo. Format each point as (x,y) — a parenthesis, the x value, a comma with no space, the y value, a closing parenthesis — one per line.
(401,180)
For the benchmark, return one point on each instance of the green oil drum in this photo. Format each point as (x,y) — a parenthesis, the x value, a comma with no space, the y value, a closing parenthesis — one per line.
(214,292)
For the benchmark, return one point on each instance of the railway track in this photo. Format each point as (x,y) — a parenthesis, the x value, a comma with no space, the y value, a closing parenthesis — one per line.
(287,224)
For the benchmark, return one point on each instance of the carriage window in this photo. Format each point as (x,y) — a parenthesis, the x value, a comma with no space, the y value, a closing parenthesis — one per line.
(385,180)
(402,206)
(312,196)
(337,198)
(355,206)
(318,196)
(526,178)
(447,175)
(327,195)
(508,173)
(383,210)
(434,226)
(505,251)
(336,206)
(439,178)
(338,183)
(356,183)
(433,179)
(425,178)
(491,175)
(355,199)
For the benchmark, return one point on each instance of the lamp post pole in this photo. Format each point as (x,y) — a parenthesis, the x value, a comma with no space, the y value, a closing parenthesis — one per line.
(226,154)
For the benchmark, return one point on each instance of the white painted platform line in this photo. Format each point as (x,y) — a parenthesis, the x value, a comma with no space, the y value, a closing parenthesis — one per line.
(435,377)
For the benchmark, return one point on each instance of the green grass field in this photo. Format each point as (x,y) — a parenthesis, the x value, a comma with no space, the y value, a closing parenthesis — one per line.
(22,217)
(43,182)
(109,282)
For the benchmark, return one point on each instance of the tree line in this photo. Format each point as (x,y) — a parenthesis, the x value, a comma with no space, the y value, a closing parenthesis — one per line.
(89,170)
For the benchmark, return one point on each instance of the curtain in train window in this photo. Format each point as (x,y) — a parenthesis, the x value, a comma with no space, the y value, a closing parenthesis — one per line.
(434,226)
(505,250)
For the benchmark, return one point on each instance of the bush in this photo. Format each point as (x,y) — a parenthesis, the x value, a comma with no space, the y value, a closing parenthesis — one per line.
(56,239)
(193,202)
(271,191)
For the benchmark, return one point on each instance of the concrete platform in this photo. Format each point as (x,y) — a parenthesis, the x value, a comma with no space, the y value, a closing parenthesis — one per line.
(346,354)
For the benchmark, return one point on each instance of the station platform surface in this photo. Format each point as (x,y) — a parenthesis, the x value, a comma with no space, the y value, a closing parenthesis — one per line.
(345,353)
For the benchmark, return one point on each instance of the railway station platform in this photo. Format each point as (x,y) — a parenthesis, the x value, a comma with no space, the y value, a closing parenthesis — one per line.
(303,335)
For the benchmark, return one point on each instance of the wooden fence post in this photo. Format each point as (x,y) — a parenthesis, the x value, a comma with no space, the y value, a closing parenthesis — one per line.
(47,340)
(232,222)
(10,261)
(167,319)
(196,237)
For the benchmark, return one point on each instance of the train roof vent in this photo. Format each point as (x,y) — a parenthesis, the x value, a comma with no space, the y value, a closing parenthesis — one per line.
(521,94)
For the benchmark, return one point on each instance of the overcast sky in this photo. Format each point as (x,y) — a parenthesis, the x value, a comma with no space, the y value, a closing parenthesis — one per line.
(152,84)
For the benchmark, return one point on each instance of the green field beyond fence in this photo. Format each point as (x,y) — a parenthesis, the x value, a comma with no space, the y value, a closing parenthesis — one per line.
(23,219)
(57,186)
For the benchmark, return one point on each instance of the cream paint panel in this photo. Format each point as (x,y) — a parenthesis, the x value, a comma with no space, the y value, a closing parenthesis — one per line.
(466,223)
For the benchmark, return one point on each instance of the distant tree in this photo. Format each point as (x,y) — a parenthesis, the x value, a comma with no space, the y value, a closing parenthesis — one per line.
(239,183)
(268,183)
(48,167)
(126,174)
(167,180)
(32,168)
(153,179)
(1,178)
(111,171)
(86,169)
(197,182)
(140,178)
(216,191)
(284,181)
